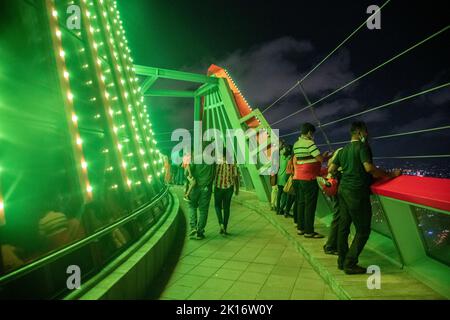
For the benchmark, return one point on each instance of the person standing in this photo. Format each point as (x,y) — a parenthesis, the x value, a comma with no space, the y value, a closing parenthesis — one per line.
(307,165)
(226,182)
(200,197)
(330,246)
(167,173)
(282,178)
(287,199)
(354,196)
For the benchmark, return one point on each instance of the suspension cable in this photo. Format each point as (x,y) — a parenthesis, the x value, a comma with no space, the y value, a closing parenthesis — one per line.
(389,103)
(326,57)
(365,74)
(316,117)
(392,135)
(380,106)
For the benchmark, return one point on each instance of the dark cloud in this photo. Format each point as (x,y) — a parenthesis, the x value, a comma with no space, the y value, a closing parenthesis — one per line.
(265,71)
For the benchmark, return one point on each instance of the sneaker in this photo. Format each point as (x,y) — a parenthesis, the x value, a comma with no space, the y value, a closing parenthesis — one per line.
(314,235)
(355,270)
(329,250)
(300,232)
(222,229)
(200,236)
(193,232)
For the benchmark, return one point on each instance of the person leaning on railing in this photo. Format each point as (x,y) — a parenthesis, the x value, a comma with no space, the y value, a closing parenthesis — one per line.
(354,196)
(307,166)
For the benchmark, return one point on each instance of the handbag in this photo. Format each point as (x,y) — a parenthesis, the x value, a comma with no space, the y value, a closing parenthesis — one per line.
(289,186)
(273,180)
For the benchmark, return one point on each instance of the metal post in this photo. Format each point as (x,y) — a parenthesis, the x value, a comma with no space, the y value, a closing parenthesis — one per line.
(319,125)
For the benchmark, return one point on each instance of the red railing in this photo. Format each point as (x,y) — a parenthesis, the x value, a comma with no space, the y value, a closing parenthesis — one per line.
(426,191)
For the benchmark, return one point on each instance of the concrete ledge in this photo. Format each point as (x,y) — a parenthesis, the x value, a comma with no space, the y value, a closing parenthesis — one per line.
(130,275)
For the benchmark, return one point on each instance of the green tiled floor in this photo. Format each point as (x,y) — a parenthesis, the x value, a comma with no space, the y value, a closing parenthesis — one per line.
(396,283)
(254,262)
(261,259)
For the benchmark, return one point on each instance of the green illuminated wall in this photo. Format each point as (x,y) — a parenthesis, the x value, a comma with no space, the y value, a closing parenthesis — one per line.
(77,148)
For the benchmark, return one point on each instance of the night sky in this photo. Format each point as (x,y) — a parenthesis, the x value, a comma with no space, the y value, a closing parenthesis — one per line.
(268,45)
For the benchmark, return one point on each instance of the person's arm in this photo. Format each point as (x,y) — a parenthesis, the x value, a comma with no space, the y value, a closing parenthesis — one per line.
(333,164)
(294,162)
(319,158)
(236,181)
(380,173)
(332,168)
(366,159)
(315,152)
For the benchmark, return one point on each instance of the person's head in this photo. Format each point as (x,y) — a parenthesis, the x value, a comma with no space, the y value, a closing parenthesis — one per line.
(308,130)
(358,130)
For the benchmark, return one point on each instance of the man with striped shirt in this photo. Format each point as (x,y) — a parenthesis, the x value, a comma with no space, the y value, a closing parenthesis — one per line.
(307,165)
(227,181)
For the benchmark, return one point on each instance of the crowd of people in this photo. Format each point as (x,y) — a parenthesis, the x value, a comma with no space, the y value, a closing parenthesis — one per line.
(343,175)
(345,179)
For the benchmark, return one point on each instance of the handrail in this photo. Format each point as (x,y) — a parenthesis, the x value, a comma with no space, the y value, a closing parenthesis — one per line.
(76,245)
(428,192)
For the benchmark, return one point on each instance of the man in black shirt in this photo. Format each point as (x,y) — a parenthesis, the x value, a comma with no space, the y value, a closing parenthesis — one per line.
(354,196)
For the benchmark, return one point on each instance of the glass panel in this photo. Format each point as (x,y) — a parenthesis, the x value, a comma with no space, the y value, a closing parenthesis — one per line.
(71,161)
(38,177)
(379,221)
(435,230)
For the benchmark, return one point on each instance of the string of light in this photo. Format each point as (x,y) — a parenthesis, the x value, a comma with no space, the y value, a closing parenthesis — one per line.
(64,79)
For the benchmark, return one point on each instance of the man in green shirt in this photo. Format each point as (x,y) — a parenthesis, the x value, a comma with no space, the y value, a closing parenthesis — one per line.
(200,197)
(354,196)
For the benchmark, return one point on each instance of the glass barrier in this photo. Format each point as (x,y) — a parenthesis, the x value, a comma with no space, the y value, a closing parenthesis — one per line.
(43,204)
(379,220)
(434,228)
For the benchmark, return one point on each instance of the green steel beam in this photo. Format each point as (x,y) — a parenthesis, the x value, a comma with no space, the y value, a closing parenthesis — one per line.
(204,89)
(174,75)
(170,93)
(197,109)
(247,117)
(147,84)
(261,118)
(231,111)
